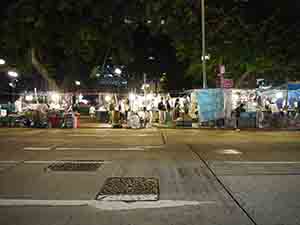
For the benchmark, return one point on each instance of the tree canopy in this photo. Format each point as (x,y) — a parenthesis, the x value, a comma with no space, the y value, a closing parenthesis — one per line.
(66,39)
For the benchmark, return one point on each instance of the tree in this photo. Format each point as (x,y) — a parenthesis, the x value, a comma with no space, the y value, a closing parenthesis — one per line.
(66,39)
(44,35)
(248,42)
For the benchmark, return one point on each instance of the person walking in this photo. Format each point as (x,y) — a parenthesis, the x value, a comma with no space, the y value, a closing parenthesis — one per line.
(238,112)
(111,108)
(162,111)
(168,118)
(126,108)
(92,112)
(176,112)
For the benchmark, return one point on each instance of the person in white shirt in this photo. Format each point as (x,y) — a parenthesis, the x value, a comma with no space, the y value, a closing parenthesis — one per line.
(274,108)
(144,117)
(92,112)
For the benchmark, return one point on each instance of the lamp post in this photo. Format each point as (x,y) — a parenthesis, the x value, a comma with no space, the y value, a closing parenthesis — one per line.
(13,84)
(203,44)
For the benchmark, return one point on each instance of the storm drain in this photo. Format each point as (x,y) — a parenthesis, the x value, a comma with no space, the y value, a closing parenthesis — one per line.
(75,166)
(129,189)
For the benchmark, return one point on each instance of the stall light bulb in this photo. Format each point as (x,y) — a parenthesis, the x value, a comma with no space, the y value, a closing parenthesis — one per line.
(279,95)
(107,98)
(29,98)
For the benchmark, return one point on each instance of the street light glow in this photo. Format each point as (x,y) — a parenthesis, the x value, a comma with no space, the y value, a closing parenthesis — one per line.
(55,97)
(77,82)
(132,97)
(107,98)
(13,74)
(279,95)
(29,98)
(118,71)
(145,86)
(207,57)
(2,62)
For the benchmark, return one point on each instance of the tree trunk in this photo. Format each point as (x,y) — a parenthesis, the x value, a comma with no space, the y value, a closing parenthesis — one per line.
(43,71)
(242,79)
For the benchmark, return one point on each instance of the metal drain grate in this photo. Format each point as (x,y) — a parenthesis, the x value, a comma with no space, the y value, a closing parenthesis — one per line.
(75,166)
(130,189)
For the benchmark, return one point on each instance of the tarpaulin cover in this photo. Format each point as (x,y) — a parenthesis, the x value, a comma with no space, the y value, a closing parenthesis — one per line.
(210,104)
(293,96)
(293,86)
(279,96)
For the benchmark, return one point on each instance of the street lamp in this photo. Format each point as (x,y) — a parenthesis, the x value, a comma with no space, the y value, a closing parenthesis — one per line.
(207,57)
(118,71)
(107,98)
(2,62)
(29,98)
(203,44)
(13,74)
(78,83)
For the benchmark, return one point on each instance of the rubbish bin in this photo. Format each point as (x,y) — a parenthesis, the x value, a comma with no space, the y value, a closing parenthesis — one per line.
(116,119)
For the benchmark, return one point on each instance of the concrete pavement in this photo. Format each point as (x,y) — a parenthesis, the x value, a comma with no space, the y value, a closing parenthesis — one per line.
(259,175)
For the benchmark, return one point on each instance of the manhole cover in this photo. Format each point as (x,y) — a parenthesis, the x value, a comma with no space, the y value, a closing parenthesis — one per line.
(130,189)
(75,166)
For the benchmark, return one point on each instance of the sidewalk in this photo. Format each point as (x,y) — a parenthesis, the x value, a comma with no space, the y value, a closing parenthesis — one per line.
(87,122)
(196,126)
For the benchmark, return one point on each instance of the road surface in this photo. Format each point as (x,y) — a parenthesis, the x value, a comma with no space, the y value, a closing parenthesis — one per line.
(203,177)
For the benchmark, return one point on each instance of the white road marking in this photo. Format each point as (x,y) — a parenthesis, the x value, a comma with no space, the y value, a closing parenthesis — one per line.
(86,135)
(9,162)
(104,205)
(152,146)
(37,148)
(29,202)
(66,161)
(31,132)
(229,152)
(261,162)
(103,149)
(112,136)
(111,205)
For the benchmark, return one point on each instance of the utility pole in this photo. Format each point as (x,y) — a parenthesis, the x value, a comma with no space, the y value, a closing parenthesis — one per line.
(203,44)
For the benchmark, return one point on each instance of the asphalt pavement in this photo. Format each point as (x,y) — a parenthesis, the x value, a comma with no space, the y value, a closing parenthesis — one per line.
(203,177)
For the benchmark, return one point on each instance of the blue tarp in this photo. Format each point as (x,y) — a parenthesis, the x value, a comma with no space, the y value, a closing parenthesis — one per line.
(293,96)
(210,104)
(294,86)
